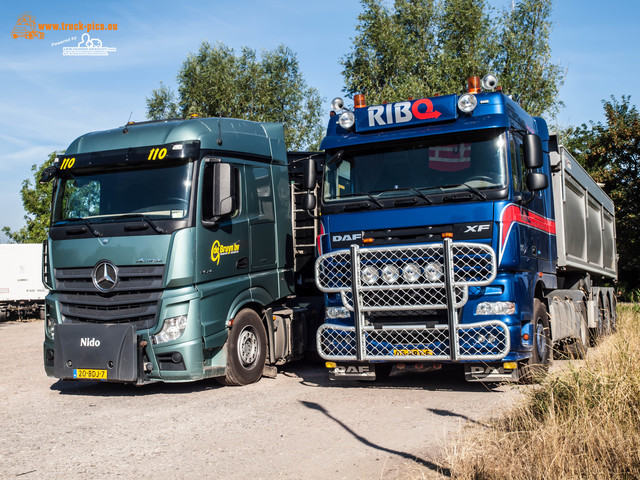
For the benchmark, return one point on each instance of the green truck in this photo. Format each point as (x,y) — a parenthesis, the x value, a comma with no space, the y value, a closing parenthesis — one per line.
(179,250)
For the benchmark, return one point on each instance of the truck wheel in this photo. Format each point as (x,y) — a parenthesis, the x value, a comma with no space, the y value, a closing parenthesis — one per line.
(538,364)
(246,350)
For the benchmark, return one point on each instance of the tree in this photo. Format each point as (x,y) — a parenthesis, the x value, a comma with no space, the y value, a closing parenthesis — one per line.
(215,82)
(419,48)
(36,199)
(524,62)
(610,152)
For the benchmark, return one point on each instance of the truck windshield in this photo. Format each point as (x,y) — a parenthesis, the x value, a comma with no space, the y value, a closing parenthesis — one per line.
(157,193)
(469,162)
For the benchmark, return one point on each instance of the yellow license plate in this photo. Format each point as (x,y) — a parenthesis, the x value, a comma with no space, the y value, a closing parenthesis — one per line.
(407,352)
(89,374)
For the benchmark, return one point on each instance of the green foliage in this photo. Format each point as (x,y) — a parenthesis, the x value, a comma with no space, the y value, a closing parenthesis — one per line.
(419,48)
(215,82)
(610,152)
(36,199)
(524,61)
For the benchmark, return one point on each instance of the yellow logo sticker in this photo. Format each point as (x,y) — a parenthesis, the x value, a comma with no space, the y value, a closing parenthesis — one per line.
(218,249)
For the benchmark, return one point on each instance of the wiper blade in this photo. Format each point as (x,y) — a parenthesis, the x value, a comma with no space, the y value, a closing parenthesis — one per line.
(416,191)
(362,194)
(470,188)
(86,222)
(142,217)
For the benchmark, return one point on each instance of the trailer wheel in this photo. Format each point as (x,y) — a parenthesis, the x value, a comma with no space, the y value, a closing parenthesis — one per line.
(246,350)
(538,364)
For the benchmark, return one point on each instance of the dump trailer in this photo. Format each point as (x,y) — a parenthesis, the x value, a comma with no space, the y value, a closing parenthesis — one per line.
(455,229)
(176,252)
(21,290)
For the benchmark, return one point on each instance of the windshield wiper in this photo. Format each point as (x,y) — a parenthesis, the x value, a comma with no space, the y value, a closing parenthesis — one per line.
(468,187)
(142,217)
(362,194)
(408,189)
(85,222)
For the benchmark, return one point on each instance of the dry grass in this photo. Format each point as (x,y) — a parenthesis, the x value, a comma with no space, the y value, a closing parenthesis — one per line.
(581,423)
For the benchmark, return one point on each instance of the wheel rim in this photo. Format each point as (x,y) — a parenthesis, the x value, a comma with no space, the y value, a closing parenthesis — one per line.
(248,346)
(541,343)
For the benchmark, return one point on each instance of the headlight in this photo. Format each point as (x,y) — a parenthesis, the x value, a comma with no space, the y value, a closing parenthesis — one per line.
(411,273)
(337,104)
(390,273)
(369,275)
(467,103)
(433,272)
(496,308)
(172,329)
(347,119)
(337,312)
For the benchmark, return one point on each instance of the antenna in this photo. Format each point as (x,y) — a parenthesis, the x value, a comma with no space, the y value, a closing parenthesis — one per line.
(126,127)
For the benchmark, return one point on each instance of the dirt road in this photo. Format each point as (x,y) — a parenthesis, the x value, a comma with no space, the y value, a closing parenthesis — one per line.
(298,425)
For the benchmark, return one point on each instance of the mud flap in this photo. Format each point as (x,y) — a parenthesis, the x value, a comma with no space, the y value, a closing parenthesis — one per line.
(486,372)
(95,352)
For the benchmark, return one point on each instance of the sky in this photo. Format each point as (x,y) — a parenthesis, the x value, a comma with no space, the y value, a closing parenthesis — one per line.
(47,98)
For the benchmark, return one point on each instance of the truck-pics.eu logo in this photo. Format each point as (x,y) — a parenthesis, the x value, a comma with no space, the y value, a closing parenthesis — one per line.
(26,27)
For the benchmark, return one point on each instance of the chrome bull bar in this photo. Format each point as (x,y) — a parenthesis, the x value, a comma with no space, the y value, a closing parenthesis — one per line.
(415,277)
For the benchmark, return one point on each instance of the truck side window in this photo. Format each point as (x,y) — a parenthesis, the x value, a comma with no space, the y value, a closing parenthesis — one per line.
(260,193)
(517,164)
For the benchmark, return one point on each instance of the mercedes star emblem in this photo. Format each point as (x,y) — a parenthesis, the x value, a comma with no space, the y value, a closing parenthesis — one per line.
(105,276)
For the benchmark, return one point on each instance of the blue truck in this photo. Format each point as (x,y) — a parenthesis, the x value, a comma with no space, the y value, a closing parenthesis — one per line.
(456,229)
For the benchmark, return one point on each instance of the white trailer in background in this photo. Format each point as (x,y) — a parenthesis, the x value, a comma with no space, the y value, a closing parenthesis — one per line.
(21,290)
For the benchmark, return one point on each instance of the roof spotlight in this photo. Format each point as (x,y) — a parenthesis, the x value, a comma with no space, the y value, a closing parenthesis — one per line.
(489,82)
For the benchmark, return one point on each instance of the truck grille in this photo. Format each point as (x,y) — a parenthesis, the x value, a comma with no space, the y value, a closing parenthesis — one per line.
(134,299)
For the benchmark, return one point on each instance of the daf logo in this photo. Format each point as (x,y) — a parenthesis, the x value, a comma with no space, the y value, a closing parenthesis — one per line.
(105,276)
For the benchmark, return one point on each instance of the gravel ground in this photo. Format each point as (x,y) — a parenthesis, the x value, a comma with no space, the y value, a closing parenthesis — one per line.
(298,425)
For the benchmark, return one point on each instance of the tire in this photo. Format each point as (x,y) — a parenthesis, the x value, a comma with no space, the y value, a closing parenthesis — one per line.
(537,366)
(246,350)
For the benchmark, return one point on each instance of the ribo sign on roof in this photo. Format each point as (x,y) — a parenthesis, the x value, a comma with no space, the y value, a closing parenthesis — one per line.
(404,114)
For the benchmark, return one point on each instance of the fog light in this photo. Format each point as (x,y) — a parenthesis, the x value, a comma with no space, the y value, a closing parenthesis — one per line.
(330,364)
(390,273)
(510,365)
(172,329)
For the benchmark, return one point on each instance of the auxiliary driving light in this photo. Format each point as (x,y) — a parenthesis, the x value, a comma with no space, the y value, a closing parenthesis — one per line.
(369,275)
(467,103)
(411,273)
(496,308)
(347,119)
(390,273)
(432,272)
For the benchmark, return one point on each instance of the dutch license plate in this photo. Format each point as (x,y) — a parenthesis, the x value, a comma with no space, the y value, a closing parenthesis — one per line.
(419,352)
(89,374)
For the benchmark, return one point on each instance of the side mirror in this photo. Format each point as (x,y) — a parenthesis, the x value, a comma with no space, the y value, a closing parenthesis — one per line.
(532,151)
(225,194)
(48,174)
(537,181)
(308,201)
(308,174)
